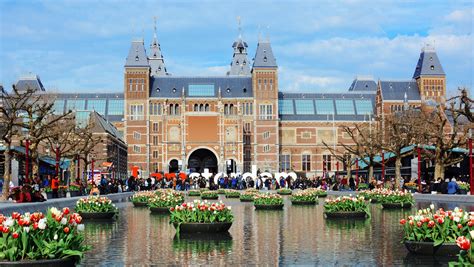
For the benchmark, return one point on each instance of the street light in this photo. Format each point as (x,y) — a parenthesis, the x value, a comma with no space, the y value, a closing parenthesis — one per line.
(27,158)
(57,159)
(418,150)
(470,163)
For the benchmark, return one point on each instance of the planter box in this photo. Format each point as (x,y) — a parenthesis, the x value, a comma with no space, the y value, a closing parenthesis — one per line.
(197,194)
(427,248)
(217,227)
(216,197)
(462,191)
(346,215)
(232,196)
(160,209)
(284,193)
(97,215)
(322,195)
(75,193)
(396,206)
(268,207)
(41,263)
(140,204)
(246,200)
(374,201)
(303,202)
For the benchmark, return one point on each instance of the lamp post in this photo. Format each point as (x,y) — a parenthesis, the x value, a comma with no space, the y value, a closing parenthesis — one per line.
(418,150)
(383,166)
(337,169)
(357,169)
(57,160)
(471,178)
(27,157)
(92,172)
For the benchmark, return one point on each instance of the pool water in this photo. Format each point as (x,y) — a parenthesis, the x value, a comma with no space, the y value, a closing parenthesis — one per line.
(297,235)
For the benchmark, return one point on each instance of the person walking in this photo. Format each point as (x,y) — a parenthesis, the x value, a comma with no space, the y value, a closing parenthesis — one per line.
(55,186)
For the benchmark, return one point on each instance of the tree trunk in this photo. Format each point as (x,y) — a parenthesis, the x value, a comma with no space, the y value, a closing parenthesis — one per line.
(371,173)
(398,171)
(439,170)
(6,174)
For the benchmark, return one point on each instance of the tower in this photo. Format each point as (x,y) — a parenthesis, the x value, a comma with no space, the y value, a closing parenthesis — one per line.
(240,64)
(157,63)
(136,93)
(430,76)
(265,85)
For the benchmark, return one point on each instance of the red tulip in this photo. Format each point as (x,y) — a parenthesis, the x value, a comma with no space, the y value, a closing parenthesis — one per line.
(431,224)
(463,243)
(15,235)
(35,226)
(411,222)
(15,215)
(440,220)
(66,230)
(470,223)
(5,230)
(419,224)
(66,211)
(459,226)
(403,221)
(171,209)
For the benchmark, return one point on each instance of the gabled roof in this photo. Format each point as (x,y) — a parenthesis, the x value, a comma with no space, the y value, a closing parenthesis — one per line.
(137,55)
(264,56)
(395,90)
(428,64)
(32,82)
(363,84)
(103,125)
(230,86)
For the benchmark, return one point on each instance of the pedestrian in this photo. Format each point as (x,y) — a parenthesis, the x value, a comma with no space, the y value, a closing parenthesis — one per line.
(453,187)
(55,186)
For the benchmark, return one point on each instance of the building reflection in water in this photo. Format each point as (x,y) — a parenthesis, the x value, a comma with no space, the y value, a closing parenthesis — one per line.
(297,235)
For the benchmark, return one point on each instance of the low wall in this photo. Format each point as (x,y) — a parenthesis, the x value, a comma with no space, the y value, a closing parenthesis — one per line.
(9,207)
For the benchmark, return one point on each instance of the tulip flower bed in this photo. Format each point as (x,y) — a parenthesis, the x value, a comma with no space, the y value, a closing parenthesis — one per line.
(436,228)
(221,191)
(201,216)
(346,207)
(209,195)
(373,195)
(247,196)
(304,198)
(363,186)
(466,255)
(268,201)
(194,193)
(95,204)
(165,201)
(34,237)
(141,198)
(230,193)
(396,199)
(463,187)
(317,192)
(284,191)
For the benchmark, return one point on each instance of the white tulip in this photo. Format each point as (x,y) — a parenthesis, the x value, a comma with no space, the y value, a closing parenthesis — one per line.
(63,221)
(26,229)
(55,237)
(42,224)
(432,206)
(80,227)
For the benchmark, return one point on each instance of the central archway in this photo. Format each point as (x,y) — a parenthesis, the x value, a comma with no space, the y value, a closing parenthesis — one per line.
(202,158)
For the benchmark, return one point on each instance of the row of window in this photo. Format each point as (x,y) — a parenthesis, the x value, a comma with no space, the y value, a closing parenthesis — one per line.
(136,85)
(285,162)
(102,106)
(325,106)
(201,107)
(266,85)
(266,112)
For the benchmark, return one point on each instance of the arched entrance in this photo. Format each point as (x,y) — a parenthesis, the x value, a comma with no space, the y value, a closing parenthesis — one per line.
(173,167)
(202,158)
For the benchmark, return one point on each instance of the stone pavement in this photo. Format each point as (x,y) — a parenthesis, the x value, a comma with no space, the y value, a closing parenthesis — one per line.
(9,207)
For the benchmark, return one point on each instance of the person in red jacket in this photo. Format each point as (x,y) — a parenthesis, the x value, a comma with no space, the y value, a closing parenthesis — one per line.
(55,187)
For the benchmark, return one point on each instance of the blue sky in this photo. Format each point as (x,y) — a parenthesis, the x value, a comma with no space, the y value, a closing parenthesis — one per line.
(320,46)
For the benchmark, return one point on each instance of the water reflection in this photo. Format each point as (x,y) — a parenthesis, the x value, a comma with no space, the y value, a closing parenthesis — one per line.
(296,235)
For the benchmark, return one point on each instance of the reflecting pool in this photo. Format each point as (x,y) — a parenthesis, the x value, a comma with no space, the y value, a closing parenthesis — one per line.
(295,236)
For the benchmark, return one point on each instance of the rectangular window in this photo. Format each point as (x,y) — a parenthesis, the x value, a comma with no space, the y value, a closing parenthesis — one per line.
(285,162)
(285,107)
(364,107)
(266,148)
(78,104)
(155,154)
(327,162)
(155,109)
(247,128)
(155,127)
(345,107)
(201,90)
(155,140)
(324,106)
(137,136)
(304,107)
(266,135)
(58,107)
(136,112)
(136,149)
(306,163)
(306,135)
(130,84)
(97,105)
(266,112)
(115,107)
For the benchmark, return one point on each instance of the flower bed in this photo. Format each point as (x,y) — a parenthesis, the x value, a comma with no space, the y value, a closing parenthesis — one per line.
(201,217)
(230,193)
(209,195)
(165,201)
(317,192)
(35,237)
(463,187)
(363,186)
(95,207)
(411,186)
(466,254)
(347,207)
(304,198)
(221,191)
(140,199)
(268,201)
(284,191)
(247,196)
(395,199)
(194,193)
(436,227)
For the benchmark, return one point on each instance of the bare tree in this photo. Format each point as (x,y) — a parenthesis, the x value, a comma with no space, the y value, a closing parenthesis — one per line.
(11,105)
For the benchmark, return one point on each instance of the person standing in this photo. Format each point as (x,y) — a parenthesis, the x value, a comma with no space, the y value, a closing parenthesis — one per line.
(55,186)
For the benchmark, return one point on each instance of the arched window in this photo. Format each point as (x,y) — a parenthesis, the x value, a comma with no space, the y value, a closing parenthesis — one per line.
(201,107)
(207,107)
(176,109)
(195,107)
(231,109)
(226,109)
(171,109)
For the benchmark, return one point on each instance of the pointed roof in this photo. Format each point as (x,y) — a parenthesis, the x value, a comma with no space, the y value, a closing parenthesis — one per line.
(397,90)
(137,55)
(264,56)
(30,81)
(240,64)
(428,64)
(363,83)
(155,58)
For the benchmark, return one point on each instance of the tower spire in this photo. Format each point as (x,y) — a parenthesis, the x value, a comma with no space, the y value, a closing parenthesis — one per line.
(157,63)
(155,41)
(240,27)
(240,64)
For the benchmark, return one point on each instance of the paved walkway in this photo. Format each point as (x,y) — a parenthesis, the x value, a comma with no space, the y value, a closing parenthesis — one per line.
(9,207)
